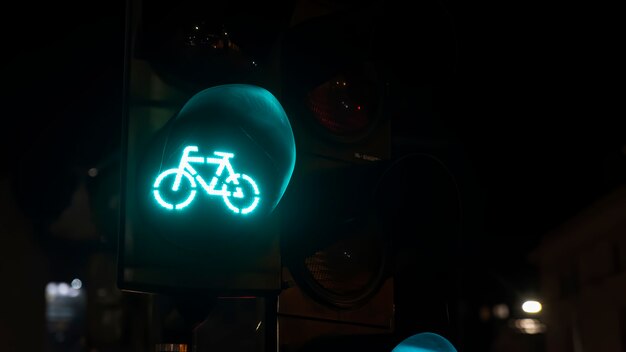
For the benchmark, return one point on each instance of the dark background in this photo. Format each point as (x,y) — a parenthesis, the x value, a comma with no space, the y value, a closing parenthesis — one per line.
(533,99)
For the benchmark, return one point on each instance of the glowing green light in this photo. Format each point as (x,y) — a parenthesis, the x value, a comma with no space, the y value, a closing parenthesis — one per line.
(187,202)
(425,342)
(247,194)
(251,208)
(179,174)
(160,200)
(256,188)
(231,206)
(234,178)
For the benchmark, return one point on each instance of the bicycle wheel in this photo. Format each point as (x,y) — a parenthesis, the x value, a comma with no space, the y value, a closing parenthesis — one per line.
(169,198)
(245,198)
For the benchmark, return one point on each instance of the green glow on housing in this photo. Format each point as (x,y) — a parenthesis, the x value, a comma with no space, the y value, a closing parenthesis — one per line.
(425,342)
(254,122)
(245,203)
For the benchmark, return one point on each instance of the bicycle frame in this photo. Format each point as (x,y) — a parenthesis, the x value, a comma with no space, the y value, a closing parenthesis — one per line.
(223,162)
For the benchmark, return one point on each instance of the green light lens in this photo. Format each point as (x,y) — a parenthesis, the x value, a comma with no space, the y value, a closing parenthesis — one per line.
(240,197)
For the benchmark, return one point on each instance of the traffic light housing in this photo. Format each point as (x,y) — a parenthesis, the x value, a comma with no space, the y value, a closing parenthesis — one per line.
(335,250)
(206,160)
(377,169)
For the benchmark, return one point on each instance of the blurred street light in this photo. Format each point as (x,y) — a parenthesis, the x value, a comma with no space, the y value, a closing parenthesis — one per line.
(531,307)
(501,311)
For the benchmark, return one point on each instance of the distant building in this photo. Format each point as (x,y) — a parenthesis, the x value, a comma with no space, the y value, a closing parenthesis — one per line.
(582,265)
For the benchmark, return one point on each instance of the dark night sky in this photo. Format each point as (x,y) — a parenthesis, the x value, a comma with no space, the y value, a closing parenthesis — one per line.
(534,104)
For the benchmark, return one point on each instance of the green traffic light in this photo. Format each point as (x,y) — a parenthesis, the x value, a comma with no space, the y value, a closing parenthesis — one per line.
(425,342)
(239,192)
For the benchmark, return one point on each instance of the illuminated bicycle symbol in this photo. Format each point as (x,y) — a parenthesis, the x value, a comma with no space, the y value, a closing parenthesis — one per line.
(239,192)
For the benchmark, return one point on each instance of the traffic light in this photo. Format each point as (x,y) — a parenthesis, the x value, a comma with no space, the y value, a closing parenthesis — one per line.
(425,342)
(336,254)
(335,85)
(209,156)
(208,153)
(379,177)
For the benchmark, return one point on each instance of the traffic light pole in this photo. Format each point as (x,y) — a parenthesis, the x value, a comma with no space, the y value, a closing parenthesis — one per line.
(271,323)
(247,323)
